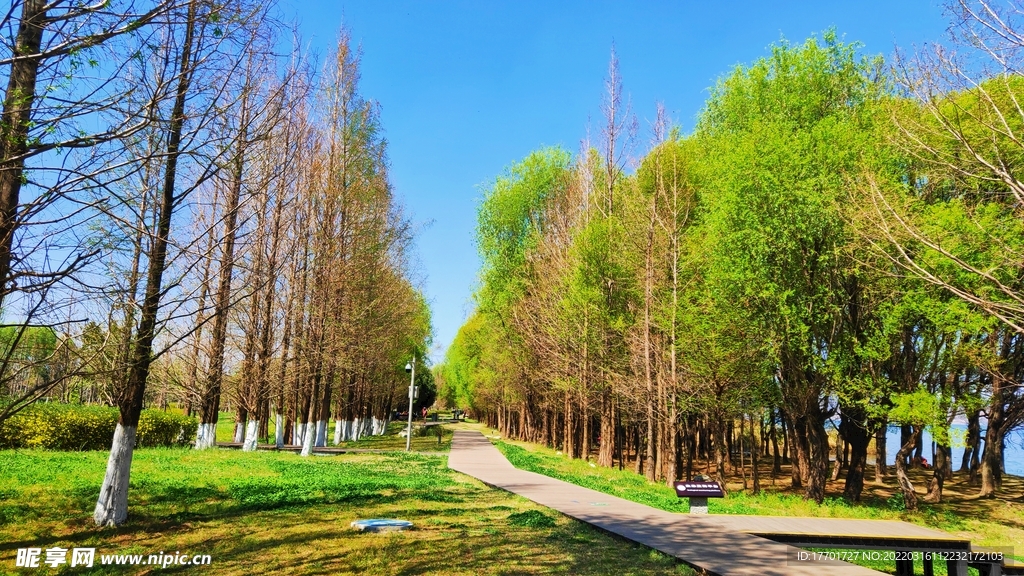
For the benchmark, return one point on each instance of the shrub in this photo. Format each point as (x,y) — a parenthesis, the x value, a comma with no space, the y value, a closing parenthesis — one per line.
(158,428)
(896,502)
(77,427)
(61,427)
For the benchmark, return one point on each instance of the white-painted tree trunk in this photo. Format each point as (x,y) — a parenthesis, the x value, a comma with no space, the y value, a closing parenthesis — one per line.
(251,429)
(337,432)
(206,436)
(357,426)
(279,430)
(307,439)
(112,505)
(346,430)
(239,432)
(321,433)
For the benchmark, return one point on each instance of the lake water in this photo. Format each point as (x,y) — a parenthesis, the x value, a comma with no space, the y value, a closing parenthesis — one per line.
(1013,454)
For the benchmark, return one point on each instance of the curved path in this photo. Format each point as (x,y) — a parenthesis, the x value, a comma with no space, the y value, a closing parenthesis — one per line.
(701,541)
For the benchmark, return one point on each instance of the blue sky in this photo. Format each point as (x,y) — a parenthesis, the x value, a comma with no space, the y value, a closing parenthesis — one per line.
(466,88)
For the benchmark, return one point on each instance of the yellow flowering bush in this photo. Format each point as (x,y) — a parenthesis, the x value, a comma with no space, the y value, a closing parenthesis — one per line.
(76,427)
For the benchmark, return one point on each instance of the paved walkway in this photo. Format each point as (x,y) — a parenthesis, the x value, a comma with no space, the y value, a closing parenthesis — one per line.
(699,541)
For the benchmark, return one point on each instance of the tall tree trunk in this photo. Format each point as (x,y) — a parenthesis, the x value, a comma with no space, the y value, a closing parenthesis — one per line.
(973,441)
(567,436)
(797,453)
(112,504)
(204,291)
(672,470)
(651,471)
(279,419)
(586,431)
(858,438)
(837,467)
(210,403)
(940,467)
(817,439)
(249,391)
(906,432)
(880,455)
(906,487)
(742,440)
(992,459)
(15,124)
(241,415)
(754,453)
(787,452)
(776,457)
(311,412)
(720,448)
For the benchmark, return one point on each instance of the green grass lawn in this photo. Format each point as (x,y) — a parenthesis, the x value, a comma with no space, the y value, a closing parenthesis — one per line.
(268,512)
(985,522)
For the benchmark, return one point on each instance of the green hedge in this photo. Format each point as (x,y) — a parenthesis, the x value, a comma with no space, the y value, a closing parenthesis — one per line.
(76,427)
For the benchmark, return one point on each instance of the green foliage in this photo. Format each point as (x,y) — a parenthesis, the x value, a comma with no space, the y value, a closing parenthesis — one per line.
(791,308)
(27,352)
(896,502)
(459,374)
(781,135)
(509,223)
(924,408)
(75,427)
(27,343)
(427,388)
(967,140)
(917,408)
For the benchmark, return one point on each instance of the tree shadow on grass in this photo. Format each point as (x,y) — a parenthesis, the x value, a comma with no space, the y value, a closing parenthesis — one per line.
(149,514)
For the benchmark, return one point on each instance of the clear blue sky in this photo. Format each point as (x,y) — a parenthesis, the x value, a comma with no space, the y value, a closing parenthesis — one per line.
(468,87)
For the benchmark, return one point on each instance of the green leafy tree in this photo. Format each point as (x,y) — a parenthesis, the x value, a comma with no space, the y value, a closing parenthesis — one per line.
(782,136)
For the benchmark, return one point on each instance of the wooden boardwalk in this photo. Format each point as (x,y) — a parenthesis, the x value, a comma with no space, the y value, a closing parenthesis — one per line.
(809,531)
(699,541)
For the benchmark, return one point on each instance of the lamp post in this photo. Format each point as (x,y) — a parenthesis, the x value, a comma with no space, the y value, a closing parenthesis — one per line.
(410,367)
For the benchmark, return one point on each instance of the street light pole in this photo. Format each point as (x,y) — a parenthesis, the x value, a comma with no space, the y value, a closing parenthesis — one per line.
(411,369)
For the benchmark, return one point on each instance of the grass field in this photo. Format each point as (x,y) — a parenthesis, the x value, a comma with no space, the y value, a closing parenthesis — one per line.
(281,513)
(990,522)
(268,512)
